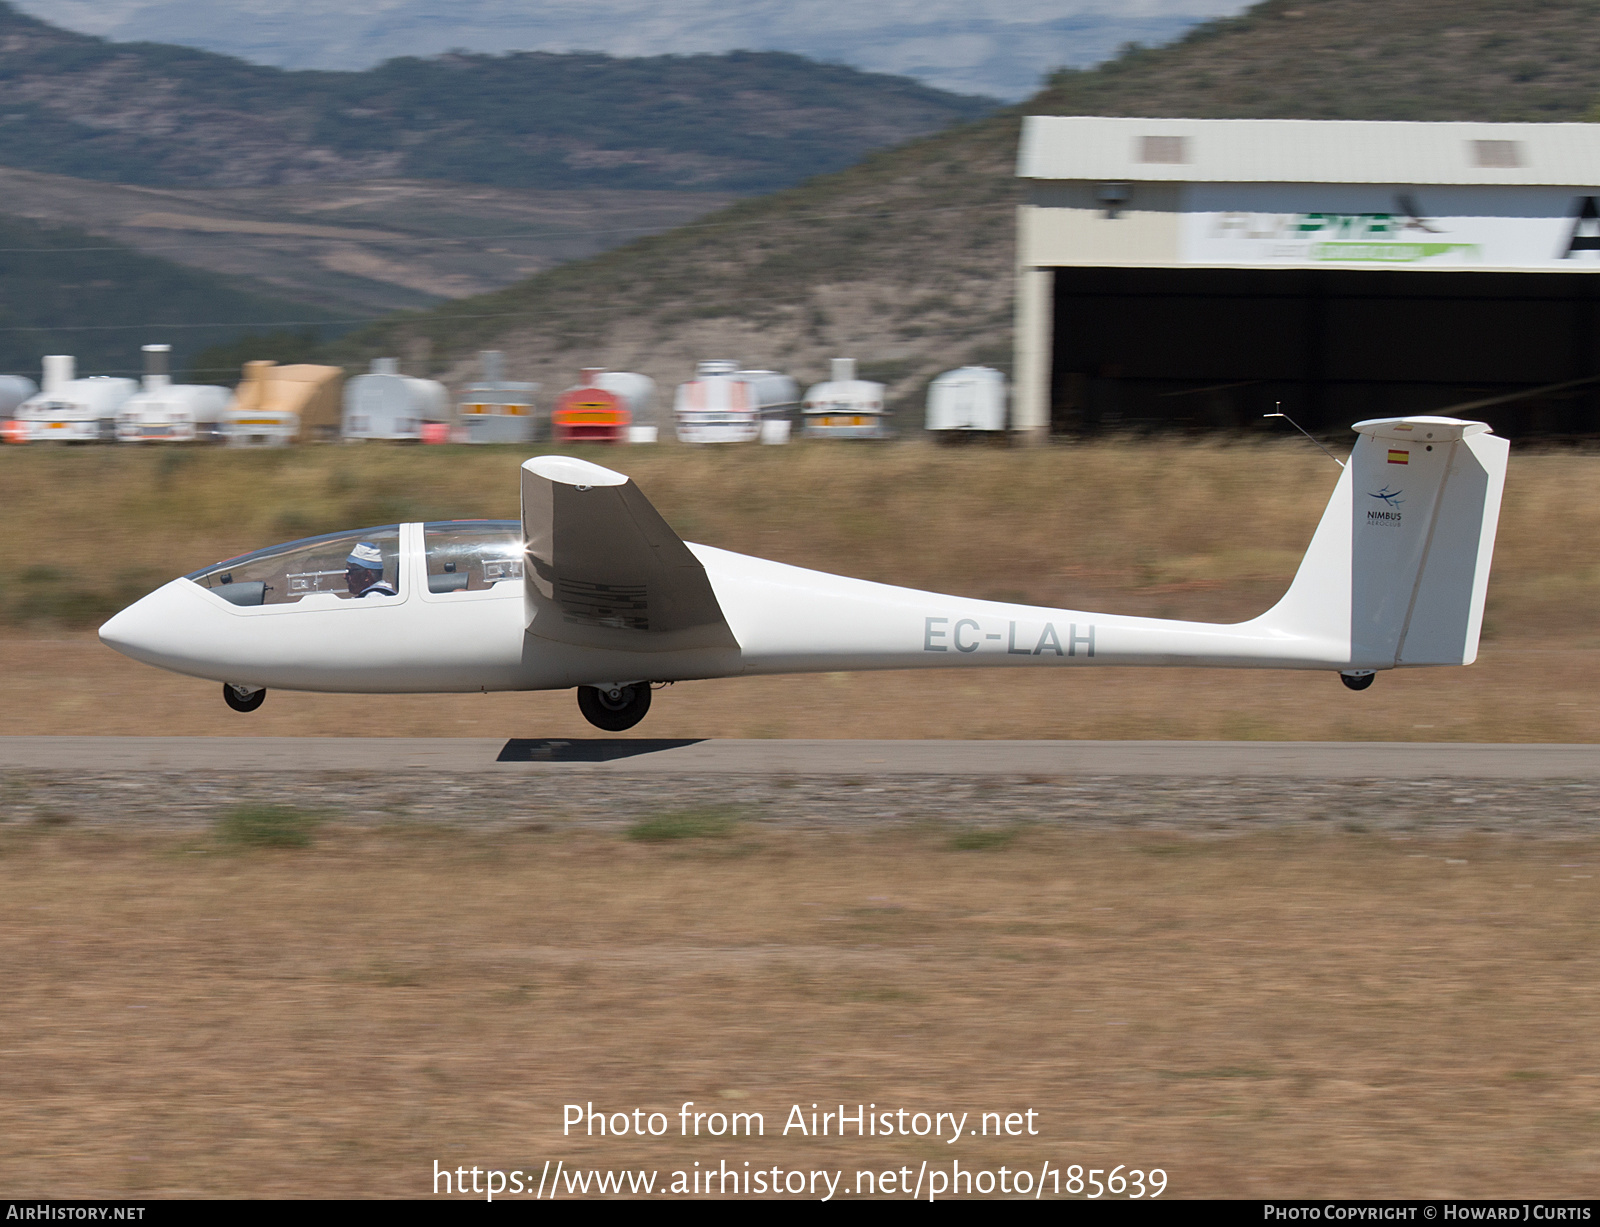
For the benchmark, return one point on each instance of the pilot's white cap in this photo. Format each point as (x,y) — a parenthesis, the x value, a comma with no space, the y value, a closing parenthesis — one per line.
(366,555)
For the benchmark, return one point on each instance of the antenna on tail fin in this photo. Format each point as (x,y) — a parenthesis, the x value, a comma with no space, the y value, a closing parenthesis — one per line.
(1281,414)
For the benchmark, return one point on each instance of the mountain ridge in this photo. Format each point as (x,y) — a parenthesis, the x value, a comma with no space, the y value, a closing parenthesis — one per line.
(160,114)
(999,47)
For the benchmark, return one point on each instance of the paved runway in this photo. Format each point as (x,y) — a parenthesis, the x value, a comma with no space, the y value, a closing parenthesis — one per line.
(637,756)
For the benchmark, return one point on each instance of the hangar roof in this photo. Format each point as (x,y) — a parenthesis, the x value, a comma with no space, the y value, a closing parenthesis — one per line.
(1307,151)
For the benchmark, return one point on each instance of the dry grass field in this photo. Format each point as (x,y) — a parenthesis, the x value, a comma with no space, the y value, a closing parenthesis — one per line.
(1173,528)
(1275,1014)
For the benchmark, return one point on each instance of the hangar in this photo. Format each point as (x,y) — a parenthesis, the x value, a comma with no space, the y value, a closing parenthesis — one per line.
(1195,272)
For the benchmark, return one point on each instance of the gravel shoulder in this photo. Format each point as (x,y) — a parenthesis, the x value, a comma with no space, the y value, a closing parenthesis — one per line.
(1212,806)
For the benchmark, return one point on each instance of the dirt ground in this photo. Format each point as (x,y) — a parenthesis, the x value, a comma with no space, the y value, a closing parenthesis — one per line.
(1273,1014)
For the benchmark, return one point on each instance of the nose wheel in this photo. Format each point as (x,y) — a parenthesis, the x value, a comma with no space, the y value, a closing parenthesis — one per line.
(243,698)
(614,708)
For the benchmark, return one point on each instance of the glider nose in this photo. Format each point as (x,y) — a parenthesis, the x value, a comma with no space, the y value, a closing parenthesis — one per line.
(147,629)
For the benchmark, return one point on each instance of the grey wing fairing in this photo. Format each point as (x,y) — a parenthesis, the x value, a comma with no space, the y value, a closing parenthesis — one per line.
(605,570)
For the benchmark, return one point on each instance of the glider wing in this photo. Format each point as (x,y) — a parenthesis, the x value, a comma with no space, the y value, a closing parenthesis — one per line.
(604,570)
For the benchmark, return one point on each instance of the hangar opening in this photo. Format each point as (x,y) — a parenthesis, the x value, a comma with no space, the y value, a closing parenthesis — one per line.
(1218,348)
(1348,270)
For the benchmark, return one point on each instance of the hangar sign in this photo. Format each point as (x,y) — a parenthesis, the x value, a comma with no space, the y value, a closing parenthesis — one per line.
(1367,226)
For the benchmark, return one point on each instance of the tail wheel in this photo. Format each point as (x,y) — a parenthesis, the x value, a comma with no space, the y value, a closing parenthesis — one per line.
(1358,679)
(242,698)
(614,710)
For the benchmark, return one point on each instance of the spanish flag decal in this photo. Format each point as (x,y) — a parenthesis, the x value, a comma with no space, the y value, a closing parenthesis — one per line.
(1399,457)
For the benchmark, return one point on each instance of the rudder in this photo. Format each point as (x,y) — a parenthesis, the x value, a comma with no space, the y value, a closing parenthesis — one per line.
(1398,569)
(1418,584)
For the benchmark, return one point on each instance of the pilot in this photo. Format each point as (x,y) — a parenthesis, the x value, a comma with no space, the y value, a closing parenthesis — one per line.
(363,572)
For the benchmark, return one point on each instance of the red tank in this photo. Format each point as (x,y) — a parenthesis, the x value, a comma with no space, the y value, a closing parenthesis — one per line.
(587,414)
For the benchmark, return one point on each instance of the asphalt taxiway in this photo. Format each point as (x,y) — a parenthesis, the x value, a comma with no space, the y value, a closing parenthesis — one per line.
(713,757)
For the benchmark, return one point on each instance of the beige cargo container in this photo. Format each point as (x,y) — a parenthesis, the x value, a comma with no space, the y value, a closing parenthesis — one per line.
(277,405)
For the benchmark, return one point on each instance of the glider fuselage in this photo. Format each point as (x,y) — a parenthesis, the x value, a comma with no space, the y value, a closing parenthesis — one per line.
(785,619)
(592,589)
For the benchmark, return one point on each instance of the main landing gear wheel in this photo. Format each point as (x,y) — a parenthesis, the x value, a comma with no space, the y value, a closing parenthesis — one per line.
(1358,679)
(241,698)
(615,709)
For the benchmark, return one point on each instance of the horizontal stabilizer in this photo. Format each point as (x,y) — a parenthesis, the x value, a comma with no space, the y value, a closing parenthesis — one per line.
(604,569)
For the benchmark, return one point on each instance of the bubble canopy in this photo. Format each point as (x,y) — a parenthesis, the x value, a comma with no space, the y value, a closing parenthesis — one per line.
(459,556)
(472,555)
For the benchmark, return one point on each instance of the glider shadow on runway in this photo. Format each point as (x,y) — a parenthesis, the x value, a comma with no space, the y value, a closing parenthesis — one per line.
(585,750)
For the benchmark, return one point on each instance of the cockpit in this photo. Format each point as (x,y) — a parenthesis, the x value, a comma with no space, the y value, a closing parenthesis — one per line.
(375,565)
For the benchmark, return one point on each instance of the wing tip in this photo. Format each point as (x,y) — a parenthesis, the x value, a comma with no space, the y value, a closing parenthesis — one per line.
(570,471)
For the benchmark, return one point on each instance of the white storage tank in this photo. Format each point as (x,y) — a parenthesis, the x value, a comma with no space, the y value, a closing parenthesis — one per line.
(498,410)
(639,391)
(14,389)
(384,404)
(165,412)
(67,409)
(845,407)
(972,398)
(723,404)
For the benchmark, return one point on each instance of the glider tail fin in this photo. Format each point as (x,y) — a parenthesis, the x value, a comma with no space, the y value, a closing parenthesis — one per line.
(1398,568)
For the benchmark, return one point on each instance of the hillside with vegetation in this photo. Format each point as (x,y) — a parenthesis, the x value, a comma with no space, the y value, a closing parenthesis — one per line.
(1488,60)
(359,249)
(151,113)
(68,292)
(905,260)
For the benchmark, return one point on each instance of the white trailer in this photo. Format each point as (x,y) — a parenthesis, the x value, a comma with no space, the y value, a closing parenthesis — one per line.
(71,410)
(496,409)
(723,404)
(845,407)
(165,412)
(384,404)
(968,400)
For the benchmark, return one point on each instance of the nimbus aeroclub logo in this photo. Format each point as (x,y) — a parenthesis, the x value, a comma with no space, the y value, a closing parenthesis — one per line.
(1387,512)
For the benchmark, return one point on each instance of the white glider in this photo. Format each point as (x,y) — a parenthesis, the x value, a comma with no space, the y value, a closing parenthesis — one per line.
(593,590)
